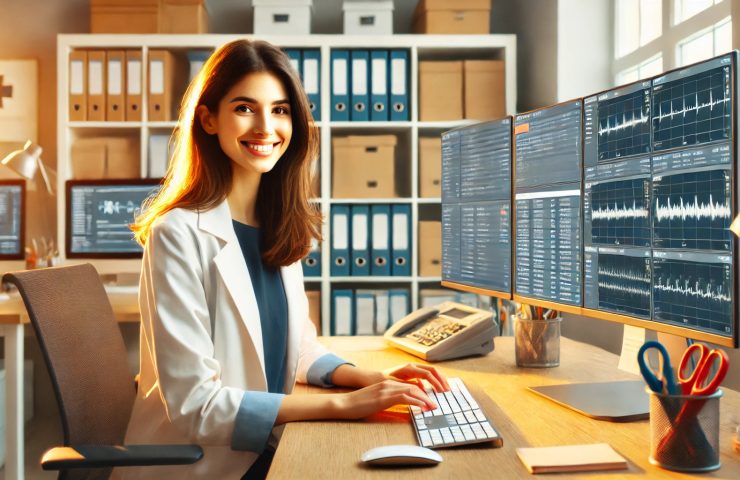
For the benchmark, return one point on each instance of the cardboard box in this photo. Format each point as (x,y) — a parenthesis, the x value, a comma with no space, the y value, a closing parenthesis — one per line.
(440,90)
(183,16)
(368,17)
(430,167)
(105,157)
(363,166)
(314,308)
(124,16)
(430,248)
(485,89)
(282,17)
(459,17)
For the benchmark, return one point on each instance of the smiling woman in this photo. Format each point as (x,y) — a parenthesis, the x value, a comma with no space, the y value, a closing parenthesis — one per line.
(225,332)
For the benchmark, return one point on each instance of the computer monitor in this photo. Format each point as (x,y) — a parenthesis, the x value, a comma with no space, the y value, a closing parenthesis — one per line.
(476,208)
(98,215)
(12,219)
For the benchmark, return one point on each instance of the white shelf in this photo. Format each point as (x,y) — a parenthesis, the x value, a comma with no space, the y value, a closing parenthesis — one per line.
(425,47)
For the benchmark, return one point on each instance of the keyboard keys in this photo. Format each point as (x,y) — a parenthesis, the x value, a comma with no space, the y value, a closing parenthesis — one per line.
(460,418)
(480,434)
(467,432)
(470,416)
(436,436)
(489,430)
(479,415)
(426,438)
(450,397)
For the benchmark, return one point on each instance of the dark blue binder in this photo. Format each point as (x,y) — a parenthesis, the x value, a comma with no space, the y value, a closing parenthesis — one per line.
(360,252)
(401,239)
(380,226)
(340,85)
(311,70)
(360,91)
(312,262)
(340,238)
(399,85)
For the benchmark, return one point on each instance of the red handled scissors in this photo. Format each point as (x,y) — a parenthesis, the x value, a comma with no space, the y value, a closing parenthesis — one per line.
(700,380)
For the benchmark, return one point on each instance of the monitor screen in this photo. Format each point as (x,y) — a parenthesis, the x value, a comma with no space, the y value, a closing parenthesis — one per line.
(99,213)
(12,217)
(476,206)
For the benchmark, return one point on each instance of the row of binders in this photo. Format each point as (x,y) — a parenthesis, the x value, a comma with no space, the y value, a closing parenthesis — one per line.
(371,240)
(308,65)
(367,312)
(370,85)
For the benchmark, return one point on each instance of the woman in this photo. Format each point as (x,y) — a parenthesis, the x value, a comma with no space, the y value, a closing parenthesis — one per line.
(225,331)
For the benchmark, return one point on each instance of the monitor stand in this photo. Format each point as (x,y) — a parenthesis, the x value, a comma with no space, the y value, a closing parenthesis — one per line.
(621,401)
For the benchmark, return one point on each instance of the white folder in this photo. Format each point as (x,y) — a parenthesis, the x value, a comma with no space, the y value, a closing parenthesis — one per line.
(382,311)
(365,312)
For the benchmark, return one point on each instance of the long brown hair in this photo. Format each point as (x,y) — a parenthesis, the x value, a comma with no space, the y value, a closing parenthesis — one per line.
(199,174)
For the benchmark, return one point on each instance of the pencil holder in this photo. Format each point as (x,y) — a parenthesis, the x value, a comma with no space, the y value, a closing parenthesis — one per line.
(537,342)
(684,432)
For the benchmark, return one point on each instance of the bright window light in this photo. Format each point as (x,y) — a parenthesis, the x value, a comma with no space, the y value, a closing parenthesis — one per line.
(651,67)
(651,20)
(628,26)
(706,43)
(628,76)
(686,9)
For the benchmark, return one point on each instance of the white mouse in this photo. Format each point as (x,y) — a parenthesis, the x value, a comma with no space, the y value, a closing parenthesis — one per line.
(401,455)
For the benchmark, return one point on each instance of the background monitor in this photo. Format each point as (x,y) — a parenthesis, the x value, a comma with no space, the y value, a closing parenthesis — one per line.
(12,219)
(98,215)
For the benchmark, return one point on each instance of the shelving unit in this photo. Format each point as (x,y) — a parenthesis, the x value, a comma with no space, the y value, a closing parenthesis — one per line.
(425,47)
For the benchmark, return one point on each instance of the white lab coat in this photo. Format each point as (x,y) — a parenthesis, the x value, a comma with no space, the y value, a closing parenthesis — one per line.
(201,342)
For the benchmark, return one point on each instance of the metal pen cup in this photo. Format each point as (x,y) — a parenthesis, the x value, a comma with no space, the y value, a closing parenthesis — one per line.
(537,342)
(684,431)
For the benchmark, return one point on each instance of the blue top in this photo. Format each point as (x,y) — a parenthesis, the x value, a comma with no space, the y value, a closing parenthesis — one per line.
(258,410)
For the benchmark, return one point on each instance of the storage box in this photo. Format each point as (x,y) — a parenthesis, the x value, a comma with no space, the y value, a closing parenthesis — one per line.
(105,157)
(368,17)
(430,249)
(363,166)
(430,167)
(485,89)
(314,308)
(27,401)
(183,16)
(458,17)
(124,16)
(440,90)
(282,17)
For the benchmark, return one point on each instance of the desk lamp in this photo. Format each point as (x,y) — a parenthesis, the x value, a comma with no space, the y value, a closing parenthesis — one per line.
(25,162)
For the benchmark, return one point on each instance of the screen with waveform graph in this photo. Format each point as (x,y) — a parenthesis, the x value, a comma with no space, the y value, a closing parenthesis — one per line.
(618,280)
(618,213)
(693,210)
(693,290)
(98,216)
(694,105)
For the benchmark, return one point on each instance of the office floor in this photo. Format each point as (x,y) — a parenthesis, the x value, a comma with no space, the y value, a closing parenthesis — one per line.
(41,432)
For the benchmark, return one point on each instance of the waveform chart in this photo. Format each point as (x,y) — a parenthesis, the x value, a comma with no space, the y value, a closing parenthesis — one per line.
(620,212)
(693,210)
(624,126)
(624,284)
(695,294)
(692,110)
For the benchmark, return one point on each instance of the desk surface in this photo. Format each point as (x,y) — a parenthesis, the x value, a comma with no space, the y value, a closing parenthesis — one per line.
(333,448)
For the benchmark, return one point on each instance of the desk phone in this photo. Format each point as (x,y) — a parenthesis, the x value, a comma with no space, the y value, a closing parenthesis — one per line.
(445,331)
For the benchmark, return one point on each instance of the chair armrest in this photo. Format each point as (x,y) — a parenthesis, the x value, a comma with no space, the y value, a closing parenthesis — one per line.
(95,456)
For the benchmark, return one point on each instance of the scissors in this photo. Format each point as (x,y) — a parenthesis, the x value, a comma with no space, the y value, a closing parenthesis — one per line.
(700,380)
(657,385)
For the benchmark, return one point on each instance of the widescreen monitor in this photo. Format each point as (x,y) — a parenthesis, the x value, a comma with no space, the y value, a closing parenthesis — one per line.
(98,215)
(12,219)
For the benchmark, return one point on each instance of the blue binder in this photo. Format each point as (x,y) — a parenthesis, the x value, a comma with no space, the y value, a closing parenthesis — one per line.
(312,262)
(311,71)
(399,304)
(340,77)
(401,240)
(399,85)
(295,59)
(340,238)
(360,91)
(380,224)
(342,309)
(360,254)
(379,85)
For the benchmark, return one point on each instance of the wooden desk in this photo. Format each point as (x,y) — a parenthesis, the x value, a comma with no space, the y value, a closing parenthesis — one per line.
(333,449)
(13,317)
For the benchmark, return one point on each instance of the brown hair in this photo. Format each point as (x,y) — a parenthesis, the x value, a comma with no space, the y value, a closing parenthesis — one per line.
(199,175)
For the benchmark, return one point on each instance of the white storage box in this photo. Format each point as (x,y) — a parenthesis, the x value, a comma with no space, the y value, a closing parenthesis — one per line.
(282,17)
(368,17)
(27,401)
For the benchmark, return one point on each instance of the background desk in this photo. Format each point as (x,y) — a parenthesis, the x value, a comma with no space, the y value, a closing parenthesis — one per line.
(13,317)
(333,449)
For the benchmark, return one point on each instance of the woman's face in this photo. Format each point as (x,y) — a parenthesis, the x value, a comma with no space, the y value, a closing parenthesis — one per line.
(253,122)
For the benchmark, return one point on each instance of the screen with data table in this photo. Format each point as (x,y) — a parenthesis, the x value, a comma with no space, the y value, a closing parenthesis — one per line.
(476,206)
(12,216)
(99,213)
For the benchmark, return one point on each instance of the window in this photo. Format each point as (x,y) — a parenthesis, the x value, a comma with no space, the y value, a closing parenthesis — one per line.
(686,9)
(638,23)
(707,43)
(649,68)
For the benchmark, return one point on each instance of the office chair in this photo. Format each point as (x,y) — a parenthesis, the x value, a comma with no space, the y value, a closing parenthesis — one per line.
(87,362)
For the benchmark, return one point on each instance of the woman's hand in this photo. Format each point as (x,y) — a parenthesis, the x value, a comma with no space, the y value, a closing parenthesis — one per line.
(416,371)
(380,396)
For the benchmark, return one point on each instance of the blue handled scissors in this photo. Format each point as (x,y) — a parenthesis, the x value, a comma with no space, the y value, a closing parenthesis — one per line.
(656,384)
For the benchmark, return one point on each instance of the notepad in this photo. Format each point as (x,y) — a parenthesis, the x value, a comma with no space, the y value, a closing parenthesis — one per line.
(571,458)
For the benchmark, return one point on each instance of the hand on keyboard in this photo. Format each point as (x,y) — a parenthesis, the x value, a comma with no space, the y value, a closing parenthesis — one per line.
(380,396)
(415,371)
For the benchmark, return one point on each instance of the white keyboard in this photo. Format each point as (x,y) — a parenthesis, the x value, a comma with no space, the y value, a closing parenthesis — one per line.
(458,420)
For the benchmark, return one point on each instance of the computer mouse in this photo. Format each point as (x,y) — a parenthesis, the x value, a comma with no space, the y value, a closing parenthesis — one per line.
(401,455)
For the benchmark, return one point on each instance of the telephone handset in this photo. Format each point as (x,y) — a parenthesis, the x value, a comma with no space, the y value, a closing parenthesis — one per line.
(445,331)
